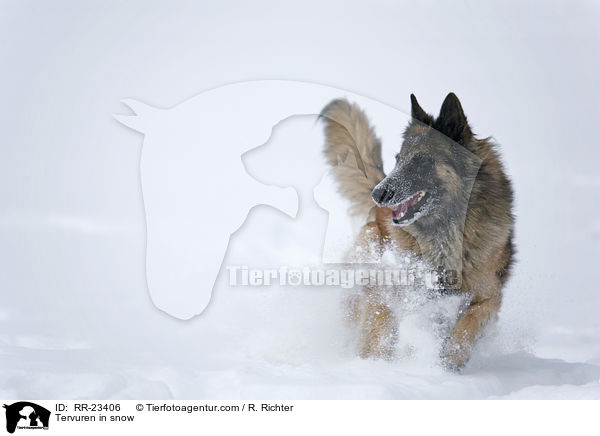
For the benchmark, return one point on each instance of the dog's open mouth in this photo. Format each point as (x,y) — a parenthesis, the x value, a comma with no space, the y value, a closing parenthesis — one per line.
(408,210)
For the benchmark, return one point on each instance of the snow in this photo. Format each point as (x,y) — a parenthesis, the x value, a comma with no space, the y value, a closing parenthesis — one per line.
(76,319)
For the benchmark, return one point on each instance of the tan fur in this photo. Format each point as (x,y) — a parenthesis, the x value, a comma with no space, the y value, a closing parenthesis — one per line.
(354,152)
(482,247)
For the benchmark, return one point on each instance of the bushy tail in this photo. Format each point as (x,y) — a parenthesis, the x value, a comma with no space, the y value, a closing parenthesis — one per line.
(354,152)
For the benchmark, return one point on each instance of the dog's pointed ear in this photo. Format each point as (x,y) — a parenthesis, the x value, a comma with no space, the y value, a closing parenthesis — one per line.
(417,112)
(452,121)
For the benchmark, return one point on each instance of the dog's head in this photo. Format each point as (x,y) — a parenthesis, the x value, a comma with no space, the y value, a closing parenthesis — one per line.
(434,169)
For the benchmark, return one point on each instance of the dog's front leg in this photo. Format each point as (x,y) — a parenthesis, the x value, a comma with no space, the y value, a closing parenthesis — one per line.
(376,325)
(457,348)
(371,314)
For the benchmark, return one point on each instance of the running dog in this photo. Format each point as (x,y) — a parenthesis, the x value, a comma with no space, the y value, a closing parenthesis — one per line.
(448,201)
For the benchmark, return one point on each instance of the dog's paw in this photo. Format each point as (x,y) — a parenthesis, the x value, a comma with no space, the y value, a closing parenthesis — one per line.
(376,352)
(455,355)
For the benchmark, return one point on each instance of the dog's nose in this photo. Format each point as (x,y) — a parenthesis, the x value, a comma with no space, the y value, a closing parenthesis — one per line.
(382,195)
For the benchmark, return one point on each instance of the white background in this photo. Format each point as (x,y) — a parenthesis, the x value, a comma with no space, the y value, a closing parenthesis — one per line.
(76,319)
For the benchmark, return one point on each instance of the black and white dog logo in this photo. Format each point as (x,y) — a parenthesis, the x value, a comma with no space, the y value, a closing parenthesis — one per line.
(26,415)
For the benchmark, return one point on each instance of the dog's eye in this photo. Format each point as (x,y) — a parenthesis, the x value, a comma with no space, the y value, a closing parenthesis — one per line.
(422,163)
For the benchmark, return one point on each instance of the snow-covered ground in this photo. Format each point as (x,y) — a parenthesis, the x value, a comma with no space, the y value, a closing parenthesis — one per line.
(76,319)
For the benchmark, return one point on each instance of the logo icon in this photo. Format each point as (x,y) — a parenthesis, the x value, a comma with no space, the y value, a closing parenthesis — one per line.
(26,415)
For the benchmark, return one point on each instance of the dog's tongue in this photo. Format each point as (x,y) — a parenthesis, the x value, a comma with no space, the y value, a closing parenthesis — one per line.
(402,208)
